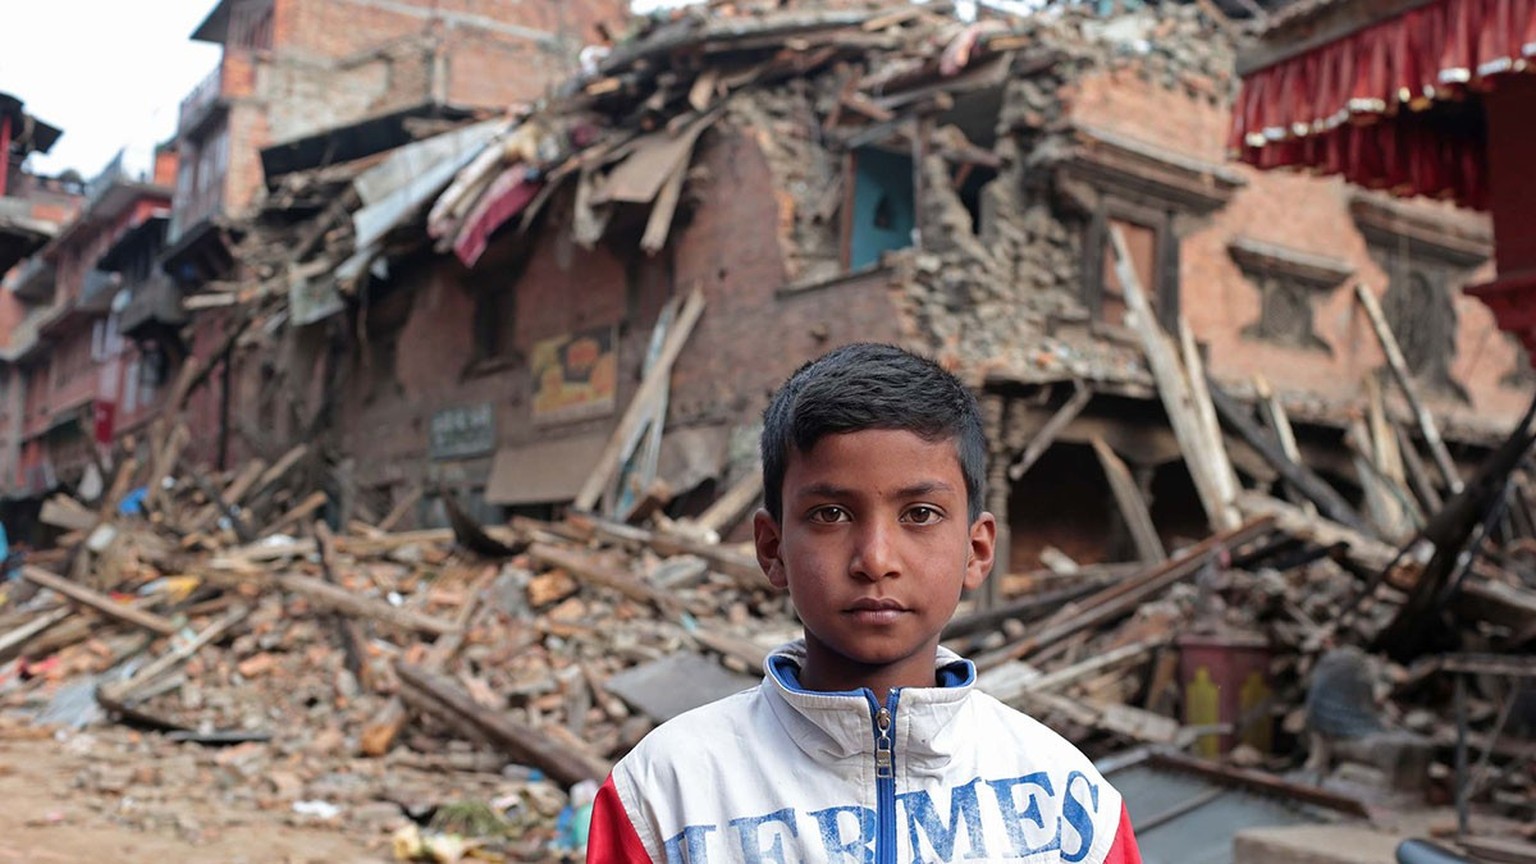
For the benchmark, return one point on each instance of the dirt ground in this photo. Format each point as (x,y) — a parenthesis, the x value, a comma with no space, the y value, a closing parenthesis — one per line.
(46,818)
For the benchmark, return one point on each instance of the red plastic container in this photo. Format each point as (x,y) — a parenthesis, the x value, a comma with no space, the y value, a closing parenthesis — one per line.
(1225,679)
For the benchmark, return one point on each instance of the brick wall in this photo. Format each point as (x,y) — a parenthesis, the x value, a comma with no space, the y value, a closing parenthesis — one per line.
(1305,214)
(340,28)
(248,133)
(496,52)
(337,61)
(750,337)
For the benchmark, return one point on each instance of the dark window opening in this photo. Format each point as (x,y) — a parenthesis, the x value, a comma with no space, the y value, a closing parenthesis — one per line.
(387,309)
(970,181)
(1065,502)
(1285,314)
(1175,505)
(1419,309)
(490,307)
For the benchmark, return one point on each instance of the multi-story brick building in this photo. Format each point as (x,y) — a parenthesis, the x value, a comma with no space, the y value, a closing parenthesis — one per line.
(290,70)
(32,210)
(67,356)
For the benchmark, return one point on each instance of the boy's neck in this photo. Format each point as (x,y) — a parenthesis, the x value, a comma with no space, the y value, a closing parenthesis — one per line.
(827,671)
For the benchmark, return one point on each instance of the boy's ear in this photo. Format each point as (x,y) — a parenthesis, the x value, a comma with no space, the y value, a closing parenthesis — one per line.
(978,563)
(768,539)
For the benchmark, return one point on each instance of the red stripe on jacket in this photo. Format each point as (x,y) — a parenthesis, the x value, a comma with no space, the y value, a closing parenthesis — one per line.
(613,839)
(1124,850)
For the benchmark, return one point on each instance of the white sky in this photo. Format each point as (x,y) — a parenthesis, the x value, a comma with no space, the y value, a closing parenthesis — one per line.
(111,73)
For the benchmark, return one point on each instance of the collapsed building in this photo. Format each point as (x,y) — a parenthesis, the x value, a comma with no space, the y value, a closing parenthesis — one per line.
(476,311)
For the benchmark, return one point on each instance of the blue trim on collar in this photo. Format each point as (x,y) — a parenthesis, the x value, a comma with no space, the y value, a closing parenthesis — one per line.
(961,673)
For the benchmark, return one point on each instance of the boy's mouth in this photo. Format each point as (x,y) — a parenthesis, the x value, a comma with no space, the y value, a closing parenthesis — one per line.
(876,610)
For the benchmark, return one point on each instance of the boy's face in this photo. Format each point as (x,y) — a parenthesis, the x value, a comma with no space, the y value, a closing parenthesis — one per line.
(874,546)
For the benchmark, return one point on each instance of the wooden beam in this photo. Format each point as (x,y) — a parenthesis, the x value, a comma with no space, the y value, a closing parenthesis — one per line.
(1122,599)
(122,691)
(1369,552)
(230,497)
(1260,781)
(1384,510)
(524,743)
(583,567)
(651,386)
(1082,394)
(728,645)
(1030,607)
(402,507)
(1301,478)
(1418,473)
(1404,378)
(99,602)
(1330,23)
(309,505)
(1062,678)
(1173,388)
(1133,508)
(338,599)
(22,635)
(722,559)
(1200,396)
(279,468)
(728,508)
(1280,424)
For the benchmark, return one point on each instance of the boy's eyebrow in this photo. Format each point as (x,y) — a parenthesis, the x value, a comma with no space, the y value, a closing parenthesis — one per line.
(926,487)
(823,490)
(915,490)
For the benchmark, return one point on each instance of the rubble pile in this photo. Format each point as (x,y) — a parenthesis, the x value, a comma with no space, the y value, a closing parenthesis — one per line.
(268,668)
(459,685)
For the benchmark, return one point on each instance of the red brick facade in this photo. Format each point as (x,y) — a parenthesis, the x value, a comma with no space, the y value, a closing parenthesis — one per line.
(751,336)
(1310,215)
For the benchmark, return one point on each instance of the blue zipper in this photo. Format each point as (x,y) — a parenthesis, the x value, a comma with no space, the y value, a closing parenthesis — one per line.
(884,718)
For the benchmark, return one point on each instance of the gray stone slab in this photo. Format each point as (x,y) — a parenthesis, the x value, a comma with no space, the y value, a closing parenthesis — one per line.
(665,688)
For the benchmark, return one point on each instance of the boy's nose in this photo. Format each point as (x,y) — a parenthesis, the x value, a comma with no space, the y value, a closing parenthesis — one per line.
(874,556)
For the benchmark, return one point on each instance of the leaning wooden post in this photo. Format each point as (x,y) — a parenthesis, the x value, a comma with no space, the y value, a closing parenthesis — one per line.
(1173,388)
(1400,372)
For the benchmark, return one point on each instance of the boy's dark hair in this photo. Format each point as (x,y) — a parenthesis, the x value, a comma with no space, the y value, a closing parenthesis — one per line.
(869,386)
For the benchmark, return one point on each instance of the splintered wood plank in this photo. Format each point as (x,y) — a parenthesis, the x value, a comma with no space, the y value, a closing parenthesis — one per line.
(1133,507)
(1404,378)
(658,378)
(99,602)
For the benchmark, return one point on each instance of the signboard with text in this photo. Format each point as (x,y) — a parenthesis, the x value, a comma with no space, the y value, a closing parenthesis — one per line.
(463,431)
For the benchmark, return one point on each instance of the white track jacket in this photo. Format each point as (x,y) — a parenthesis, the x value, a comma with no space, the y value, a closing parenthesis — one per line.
(785,775)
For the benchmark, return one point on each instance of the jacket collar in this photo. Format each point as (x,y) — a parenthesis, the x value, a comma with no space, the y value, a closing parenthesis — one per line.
(836,726)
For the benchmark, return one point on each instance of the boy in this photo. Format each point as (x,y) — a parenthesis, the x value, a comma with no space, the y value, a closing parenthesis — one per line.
(866,741)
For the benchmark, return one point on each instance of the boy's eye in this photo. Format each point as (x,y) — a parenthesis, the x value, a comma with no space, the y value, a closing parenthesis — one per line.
(922,514)
(829,514)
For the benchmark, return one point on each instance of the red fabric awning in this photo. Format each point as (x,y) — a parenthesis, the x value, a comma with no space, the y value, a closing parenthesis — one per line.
(1394,105)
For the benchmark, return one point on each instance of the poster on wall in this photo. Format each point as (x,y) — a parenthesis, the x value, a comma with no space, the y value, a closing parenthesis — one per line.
(575,376)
